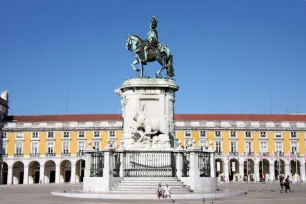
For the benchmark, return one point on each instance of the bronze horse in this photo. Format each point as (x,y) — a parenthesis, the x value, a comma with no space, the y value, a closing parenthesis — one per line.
(162,54)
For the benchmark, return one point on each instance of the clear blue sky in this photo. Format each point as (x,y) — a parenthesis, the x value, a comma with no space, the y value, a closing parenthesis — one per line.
(229,54)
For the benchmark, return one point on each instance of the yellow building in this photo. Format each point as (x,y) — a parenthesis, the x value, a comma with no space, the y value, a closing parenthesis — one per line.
(49,148)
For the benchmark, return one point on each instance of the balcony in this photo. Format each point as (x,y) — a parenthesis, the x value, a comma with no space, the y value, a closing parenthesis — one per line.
(50,154)
(251,153)
(18,155)
(265,154)
(34,155)
(233,153)
(66,154)
(80,153)
(280,154)
(3,155)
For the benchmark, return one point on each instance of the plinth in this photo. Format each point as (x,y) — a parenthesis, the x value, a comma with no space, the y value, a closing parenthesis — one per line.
(148,113)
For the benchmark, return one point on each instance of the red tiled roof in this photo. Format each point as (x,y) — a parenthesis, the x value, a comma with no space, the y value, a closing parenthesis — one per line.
(178,117)
(62,118)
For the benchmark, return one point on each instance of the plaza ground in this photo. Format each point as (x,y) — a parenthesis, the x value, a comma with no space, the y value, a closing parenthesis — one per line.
(268,193)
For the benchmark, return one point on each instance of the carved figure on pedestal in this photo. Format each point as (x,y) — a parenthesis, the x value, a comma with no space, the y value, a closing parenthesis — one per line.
(145,129)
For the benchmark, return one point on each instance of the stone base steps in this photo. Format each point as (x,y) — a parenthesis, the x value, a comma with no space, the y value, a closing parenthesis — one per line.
(149,185)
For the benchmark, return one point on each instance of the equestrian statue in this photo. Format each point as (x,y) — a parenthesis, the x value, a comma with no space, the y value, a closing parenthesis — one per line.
(150,50)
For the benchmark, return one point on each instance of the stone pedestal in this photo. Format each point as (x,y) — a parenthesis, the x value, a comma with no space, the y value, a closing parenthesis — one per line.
(148,113)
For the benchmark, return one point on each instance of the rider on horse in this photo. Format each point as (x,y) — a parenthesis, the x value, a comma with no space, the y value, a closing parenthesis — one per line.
(152,39)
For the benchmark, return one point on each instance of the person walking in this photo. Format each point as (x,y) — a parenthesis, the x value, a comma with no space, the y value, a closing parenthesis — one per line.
(282,183)
(287,185)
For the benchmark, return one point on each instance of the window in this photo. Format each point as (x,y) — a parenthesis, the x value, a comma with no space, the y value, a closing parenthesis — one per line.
(4,149)
(19,135)
(50,134)
(218,147)
(97,145)
(263,147)
(202,133)
(35,148)
(293,147)
(66,135)
(278,134)
(233,133)
(233,147)
(18,148)
(262,134)
(248,134)
(248,147)
(50,147)
(293,134)
(279,147)
(112,133)
(81,147)
(187,134)
(4,135)
(217,134)
(66,148)
(35,135)
(81,134)
(96,134)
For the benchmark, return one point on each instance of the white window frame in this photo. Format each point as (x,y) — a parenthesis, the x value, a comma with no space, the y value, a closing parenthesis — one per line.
(37,147)
(22,144)
(276,133)
(216,134)
(94,134)
(35,133)
(80,145)
(230,143)
(296,135)
(19,136)
(52,135)
(200,133)
(84,134)
(245,134)
(68,146)
(47,150)
(111,135)
(278,141)
(64,135)
(4,146)
(187,136)
(297,146)
(220,145)
(233,132)
(246,147)
(267,149)
(95,141)
(263,133)
(4,135)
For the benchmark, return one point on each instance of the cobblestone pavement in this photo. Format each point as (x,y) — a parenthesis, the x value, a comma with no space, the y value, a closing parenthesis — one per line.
(257,193)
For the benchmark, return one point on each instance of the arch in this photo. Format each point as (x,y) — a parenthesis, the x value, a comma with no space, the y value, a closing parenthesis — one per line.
(264,169)
(50,168)
(18,172)
(4,173)
(34,172)
(79,171)
(295,169)
(65,171)
(249,170)
(279,168)
(234,170)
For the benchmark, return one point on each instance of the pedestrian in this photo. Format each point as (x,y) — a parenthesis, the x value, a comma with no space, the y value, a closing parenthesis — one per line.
(167,191)
(159,191)
(282,183)
(287,184)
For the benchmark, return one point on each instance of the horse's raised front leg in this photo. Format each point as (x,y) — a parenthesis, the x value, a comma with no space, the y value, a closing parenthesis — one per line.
(133,65)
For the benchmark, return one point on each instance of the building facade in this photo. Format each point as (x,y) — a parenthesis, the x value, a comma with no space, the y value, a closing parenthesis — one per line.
(50,149)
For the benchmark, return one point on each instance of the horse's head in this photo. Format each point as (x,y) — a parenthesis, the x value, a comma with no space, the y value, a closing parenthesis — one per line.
(128,44)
